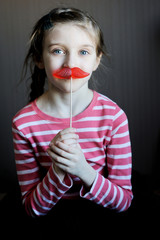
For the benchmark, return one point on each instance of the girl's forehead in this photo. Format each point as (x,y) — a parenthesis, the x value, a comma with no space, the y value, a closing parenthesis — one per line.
(71,32)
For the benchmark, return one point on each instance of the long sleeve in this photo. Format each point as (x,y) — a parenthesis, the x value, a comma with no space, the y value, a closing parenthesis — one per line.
(114,191)
(39,194)
(104,139)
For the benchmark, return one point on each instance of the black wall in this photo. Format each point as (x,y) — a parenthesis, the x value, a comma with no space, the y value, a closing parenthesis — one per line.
(131,77)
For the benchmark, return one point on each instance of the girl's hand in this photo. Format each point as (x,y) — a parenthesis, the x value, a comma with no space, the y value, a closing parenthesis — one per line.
(70,159)
(68,137)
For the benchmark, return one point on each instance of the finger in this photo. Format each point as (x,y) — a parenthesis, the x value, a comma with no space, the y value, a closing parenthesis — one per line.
(53,155)
(66,136)
(62,147)
(58,150)
(62,167)
(67,130)
(75,149)
(61,150)
(50,153)
(78,145)
(58,160)
(70,149)
(70,142)
(62,135)
(74,145)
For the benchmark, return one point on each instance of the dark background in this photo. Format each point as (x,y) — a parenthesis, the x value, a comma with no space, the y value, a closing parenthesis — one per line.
(131,77)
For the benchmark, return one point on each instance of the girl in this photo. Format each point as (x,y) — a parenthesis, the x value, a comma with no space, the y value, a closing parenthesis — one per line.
(55,162)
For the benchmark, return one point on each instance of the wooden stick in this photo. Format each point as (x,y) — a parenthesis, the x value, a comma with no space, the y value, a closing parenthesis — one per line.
(71,103)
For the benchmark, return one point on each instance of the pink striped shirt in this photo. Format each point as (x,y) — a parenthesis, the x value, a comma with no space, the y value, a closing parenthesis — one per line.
(104,138)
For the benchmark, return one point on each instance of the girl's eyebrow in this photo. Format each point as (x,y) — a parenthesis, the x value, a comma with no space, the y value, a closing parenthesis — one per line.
(52,44)
(88,45)
(60,44)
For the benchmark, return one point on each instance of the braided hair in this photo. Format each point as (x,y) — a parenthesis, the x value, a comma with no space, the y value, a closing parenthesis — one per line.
(46,23)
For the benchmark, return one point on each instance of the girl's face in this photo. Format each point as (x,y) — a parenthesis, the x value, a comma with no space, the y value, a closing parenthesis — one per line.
(68,45)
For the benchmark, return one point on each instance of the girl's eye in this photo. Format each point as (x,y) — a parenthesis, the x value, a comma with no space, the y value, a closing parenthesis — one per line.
(84,52)
(58,51)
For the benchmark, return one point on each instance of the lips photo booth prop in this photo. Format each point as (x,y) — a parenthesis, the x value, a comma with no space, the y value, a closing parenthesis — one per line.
(70,73)
(67,73)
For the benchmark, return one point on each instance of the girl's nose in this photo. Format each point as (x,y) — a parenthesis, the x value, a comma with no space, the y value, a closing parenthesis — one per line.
(70,60)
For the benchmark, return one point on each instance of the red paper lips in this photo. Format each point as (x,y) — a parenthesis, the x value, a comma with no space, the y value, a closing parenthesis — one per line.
(70,73)
(67,73)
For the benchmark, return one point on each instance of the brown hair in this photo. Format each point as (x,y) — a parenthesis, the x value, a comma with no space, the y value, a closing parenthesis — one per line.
(47,22)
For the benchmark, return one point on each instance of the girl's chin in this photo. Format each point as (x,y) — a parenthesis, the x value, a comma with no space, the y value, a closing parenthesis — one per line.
(65,86)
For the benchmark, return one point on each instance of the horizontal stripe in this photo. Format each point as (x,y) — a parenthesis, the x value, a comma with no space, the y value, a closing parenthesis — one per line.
(19,141)
(103,107)
(38,213)
(118,115)
(119,177)
(39,205)
(42,133)
(127,187)
(21,183)
(98,140)
(35,123)
(113,198)
(96,159)
(92,149)
(54,184)
(50,202)
(24,115)
(22,151)
(117,146)
(120,156)
(121,125)
(40,144)
(106,193)
(46,164)
(25,161)
(122,209)
(97,118)
(104,98)
(99,190)
(19,133)
(23,193)
(28,171)
(92,129)
(49,191)
(27,106)
(119,167)
(121,135)
(120,198)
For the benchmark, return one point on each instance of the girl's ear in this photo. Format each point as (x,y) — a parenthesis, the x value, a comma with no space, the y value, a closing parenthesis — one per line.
(98,59)
(40,64)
